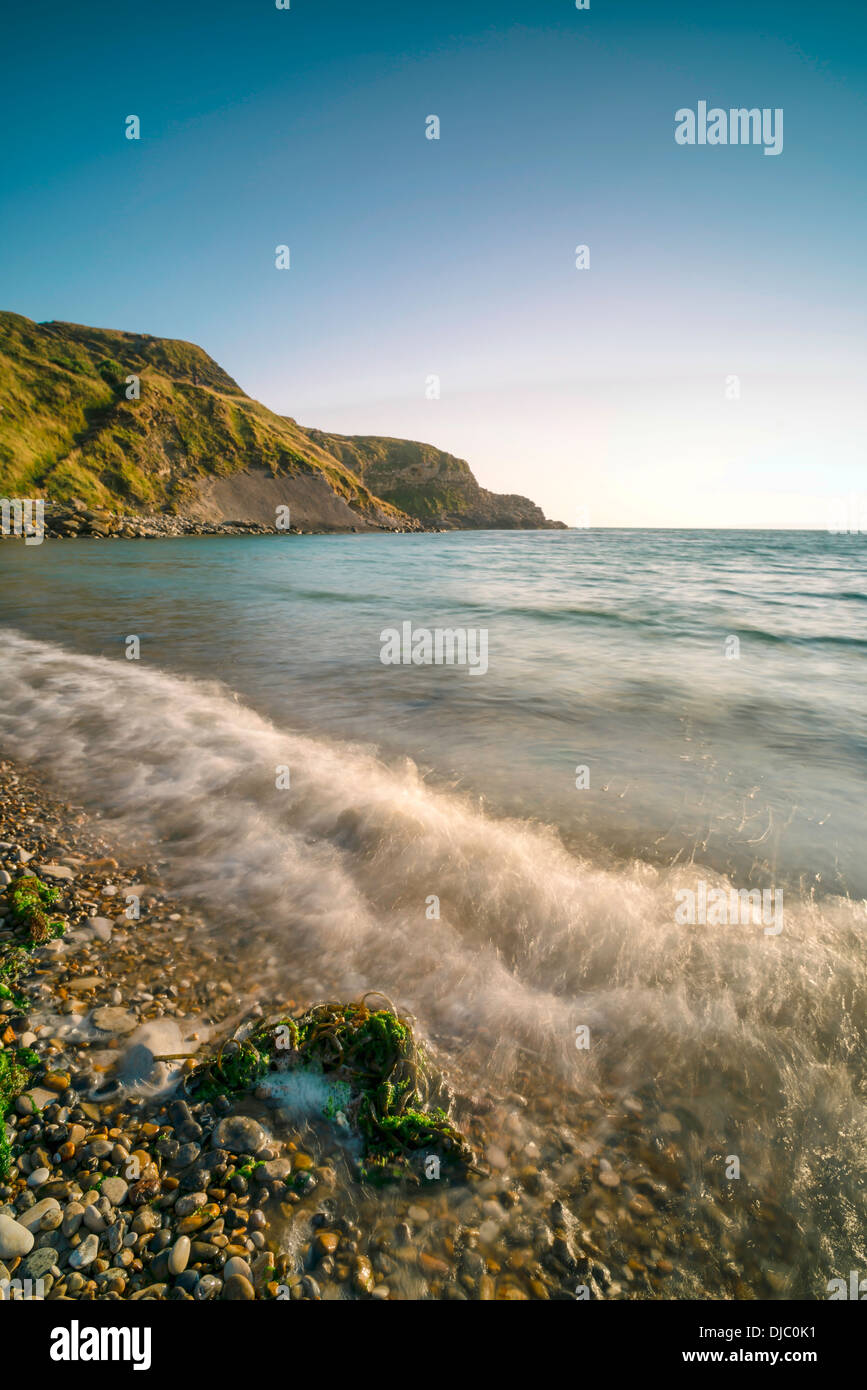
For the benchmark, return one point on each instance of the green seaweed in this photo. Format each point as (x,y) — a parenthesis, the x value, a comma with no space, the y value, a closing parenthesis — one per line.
(248,1169)
(17,1069)
(374,1052)
(28,898)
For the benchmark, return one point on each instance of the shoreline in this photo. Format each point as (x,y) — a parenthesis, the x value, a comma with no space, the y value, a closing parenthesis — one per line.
(73,522)
(109,1192)
(120,1188)
(116,1184)
(116,1196)
(94,1203)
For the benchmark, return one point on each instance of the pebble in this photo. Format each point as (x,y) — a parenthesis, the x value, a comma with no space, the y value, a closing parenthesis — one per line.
(146,1220)
(326,1242)
(186,1206)
(94,1219)
(39,1263)
(110,1019)
(56,1081)
(237,1288)
(102,928)
(35,1099)
(38,1177)
(275,1170)
(32,1218)
(72,1218)
(364,1278)
(185,1127)
(115,1189)
(15,1239)
(85,1253)
(240,1135)
(237,1265)
(180,1255)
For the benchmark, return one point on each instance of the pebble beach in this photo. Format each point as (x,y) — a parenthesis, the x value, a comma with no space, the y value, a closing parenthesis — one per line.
(120,1188)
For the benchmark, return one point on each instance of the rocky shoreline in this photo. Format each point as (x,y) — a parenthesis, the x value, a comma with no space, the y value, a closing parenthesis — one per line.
(107,1194)
(110,1192)
(115,1186)
(70,520)
(123,1183)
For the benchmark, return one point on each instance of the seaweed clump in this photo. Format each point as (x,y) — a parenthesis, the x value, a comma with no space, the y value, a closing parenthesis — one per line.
(17,1069)
(372,1054)
(28,900)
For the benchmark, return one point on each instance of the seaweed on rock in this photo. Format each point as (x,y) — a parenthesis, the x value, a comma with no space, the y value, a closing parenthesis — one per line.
(374,1054)
(27,898)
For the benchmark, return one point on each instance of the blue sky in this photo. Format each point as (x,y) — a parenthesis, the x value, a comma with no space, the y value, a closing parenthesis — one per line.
(600,393)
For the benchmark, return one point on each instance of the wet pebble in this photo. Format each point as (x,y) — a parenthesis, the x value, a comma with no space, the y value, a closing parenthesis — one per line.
(239,1135)
(237,1288)
(179,1256)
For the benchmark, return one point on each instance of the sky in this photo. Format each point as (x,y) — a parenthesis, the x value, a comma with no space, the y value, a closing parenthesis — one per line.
(706,369)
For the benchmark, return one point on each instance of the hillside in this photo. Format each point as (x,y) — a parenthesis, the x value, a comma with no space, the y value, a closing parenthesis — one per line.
(195,447)
(436,487)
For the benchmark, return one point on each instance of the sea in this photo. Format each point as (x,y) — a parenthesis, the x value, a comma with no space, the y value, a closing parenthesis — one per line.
(513,849)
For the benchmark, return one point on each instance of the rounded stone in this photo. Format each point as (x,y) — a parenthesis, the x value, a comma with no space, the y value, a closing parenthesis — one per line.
(33,1218)
(239,1135)
(15,1239)
(110,1019)
(237,1265)
(180,1255)
(238,1289)
(39,1263)
(85,1253)
(115,1189)
(207,1287)
(72,1218)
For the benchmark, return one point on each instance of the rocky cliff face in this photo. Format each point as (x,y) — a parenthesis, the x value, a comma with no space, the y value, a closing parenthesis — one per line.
(134,426)
(436,487)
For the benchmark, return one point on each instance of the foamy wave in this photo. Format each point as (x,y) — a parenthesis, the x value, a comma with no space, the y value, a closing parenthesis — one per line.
(334,875)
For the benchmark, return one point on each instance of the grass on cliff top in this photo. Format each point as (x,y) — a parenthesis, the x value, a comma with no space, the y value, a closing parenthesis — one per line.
(68,430)
(373,1052)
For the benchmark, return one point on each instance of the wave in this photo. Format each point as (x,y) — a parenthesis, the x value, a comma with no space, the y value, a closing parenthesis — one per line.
(336,877)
